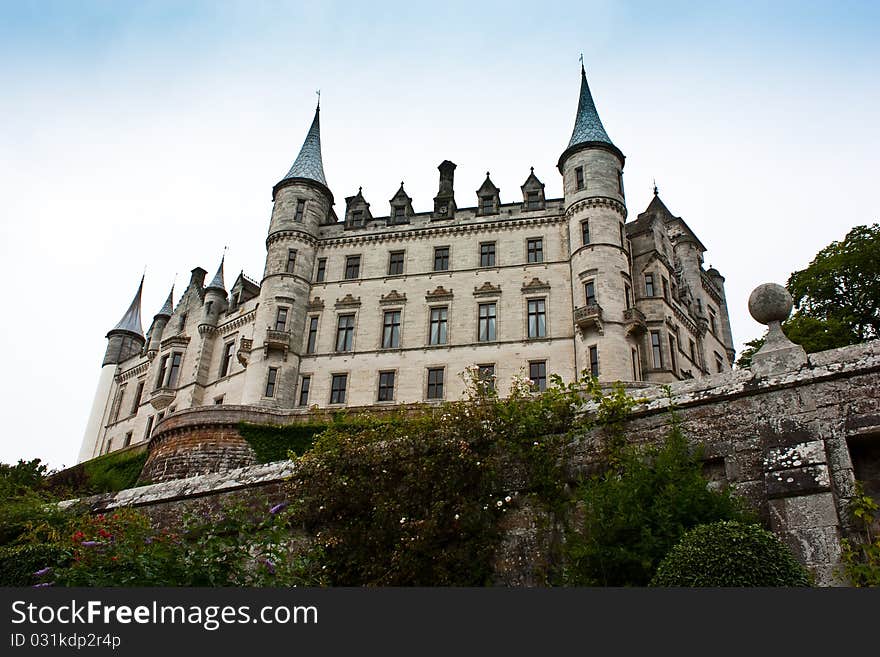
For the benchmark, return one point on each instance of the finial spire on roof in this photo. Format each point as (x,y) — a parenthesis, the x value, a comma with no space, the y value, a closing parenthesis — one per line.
(308,163)
(217,281)
(656,193)
(587,125)
(131,320)
(168,307)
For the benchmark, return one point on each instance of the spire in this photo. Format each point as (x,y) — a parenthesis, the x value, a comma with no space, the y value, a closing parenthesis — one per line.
(308,163)
(168,307)
(587,125)
(217,281)
(131,320)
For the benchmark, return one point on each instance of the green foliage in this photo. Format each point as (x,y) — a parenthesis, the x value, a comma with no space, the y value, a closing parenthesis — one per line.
(19,564)
(861,556)
(637,509)
(729,553)
(21,478)
(837,296)
(114,472)
(275,443)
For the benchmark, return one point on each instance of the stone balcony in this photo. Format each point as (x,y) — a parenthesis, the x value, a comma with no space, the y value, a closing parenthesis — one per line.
(160,398)
(589,316)
(277,340)
(634,320)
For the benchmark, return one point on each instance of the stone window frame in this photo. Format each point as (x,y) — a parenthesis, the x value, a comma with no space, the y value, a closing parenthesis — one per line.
(482,378)
(116,406)
(443,387)
(333,378)
(431,309)
(172,373)
(290,267)
(271,385)
(636,363)
(580,180)
(539,251)
(354,260)
(384,313)
(303,387)
(713,320)
(311,346)
(541,377)
(490,255)
(533,200)
(353,328)
(448,258)
(719,362)
(649,284)
(693,351)
(282,317)
(493,324)
(226,357)
(402,254)
(673,358)
(393,398)
(593,358)
(321,270)
(127,440)
(218,400)
(138,395)
(585,232)
(591,282)
(620,181)
(544,312)
(656,349)
(148,431)
(299,212)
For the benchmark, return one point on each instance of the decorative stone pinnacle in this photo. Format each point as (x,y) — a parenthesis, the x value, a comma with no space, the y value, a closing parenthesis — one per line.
(771,304)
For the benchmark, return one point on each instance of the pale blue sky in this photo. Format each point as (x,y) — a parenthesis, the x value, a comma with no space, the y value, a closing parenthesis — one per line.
(151,133)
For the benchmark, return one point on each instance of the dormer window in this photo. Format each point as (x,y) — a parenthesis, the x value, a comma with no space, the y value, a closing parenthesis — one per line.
(399,213)
(357,217)
(487,204)
(533,201)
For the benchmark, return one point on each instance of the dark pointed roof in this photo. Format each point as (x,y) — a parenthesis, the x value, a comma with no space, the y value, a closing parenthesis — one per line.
(488,186)
(217,281)
(131,320)
(532,181)
(588,129)
(401,194)
(308,163)
(658,207)
(168,307)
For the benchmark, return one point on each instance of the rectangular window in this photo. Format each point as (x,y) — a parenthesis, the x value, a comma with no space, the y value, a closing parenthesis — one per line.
(627,293)
(713,320)
(399,212)
(174,370)
(719,363)
(441,258)
(281,319)
(109,446)
(635,364)
(579,178)
(538,374)
(620,182)
(486,375)
(291,261)
(693,352)
(270,381)
(590,293)
(386,386)
(487,204)
(337,388)
(649,285)
(304,384)
(535,250)
(665,288)
(163,371)
(673,359)
(357,217)
(700,305)
(438,326)
(321,271)
(138,395)
(182,322)
(344,332)
(622,237)
(395,263)
(487,254)
(313,335)
(537,318)
(487,322)
(127,441)
(435,383)
(391,330)
(656,350)
(228,351)
(533,201)
(117,403)
(585,232)
(218,401)
(352,267)
(594,361)
(149,430)
(300,209)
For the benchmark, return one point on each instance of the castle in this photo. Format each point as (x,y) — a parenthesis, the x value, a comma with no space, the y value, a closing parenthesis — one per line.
(388,310)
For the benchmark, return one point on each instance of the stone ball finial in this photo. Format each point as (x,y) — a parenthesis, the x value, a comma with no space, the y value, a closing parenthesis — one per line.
(770,302)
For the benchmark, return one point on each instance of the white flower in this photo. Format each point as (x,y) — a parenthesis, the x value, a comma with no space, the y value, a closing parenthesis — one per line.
(507,499)
(499,503)
(456,516)
(403,520)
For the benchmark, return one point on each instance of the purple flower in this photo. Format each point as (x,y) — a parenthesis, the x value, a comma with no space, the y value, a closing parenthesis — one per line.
(42,584)
(270,566)
(90,543)
(278,507)
(148,540)
(43,571)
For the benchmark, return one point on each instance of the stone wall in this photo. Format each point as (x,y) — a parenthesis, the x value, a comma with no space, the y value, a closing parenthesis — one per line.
(783,441)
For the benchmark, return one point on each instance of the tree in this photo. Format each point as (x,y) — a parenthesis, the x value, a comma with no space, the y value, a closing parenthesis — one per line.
(837,296)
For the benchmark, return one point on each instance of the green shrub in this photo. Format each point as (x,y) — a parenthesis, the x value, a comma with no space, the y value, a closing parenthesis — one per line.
(730,554)
(275,443)
(861,554)
(19,564)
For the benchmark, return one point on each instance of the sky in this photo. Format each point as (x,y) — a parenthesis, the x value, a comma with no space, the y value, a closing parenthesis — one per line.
(149,135)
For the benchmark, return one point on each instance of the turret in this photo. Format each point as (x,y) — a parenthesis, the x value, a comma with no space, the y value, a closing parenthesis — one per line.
(215,302)
(124,340)
(160,321)
(302,202)
(591,168)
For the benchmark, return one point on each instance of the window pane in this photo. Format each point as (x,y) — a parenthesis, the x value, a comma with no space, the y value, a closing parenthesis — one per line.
(487,322)
(322,270)
(313,335)
(538,374)
(337,388)
(441,258)
(391,330)
(438,326)
(304,386)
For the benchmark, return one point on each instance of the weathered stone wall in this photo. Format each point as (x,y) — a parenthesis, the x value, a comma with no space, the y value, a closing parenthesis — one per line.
(782,441)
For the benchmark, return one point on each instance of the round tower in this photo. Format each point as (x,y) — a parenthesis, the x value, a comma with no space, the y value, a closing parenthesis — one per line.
(302,203)
(160,321)
(595,209)
(124,340)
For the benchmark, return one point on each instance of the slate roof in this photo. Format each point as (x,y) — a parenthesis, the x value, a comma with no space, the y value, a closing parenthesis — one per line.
(308,163)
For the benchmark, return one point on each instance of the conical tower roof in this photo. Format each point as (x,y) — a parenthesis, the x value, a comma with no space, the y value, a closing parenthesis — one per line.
(588,129)
(167,308)
(308,164)
(217,281)
(131,320)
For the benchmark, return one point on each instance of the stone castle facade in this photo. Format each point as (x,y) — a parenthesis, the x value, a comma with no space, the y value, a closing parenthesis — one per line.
(388,310)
